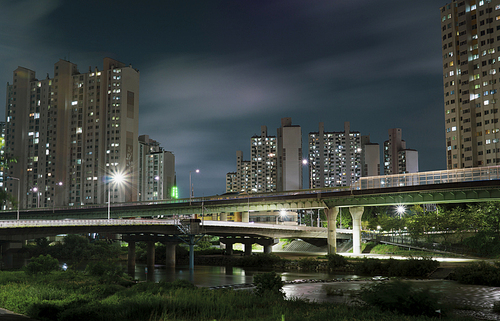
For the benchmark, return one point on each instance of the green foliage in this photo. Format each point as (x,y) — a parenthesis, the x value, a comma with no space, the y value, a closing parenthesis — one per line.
(268,284)
(336,261)
(478,273)
(411,267)
(260,260)
(308,264)
(44,264)
(401,297)
(106,271)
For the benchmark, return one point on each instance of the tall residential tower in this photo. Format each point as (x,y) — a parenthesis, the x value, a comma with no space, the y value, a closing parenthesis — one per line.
(470,31)
(71,133)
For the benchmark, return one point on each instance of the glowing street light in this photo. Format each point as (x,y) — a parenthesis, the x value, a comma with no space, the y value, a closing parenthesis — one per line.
(191,192)
(400,209)
(35,189)
(54,201)
(115,179)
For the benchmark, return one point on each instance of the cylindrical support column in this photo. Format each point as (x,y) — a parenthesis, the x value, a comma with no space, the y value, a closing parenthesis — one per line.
(331,214)
(245,217)
(229,248)
(223,217)
(170,254)
(267,249)
(356,213)
(150,260)
(131,257)
(248,248)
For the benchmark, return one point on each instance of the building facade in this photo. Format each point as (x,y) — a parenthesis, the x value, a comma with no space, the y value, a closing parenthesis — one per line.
(370,157)
(156,175)
(72,133)
(470,31)
(334,157)
(289,152)
(273,162)
(397,158)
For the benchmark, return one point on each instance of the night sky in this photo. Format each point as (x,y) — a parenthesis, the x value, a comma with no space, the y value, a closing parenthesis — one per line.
(213,72)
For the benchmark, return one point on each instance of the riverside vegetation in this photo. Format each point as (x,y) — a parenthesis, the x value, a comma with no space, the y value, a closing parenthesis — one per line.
(103,292)
(99,294)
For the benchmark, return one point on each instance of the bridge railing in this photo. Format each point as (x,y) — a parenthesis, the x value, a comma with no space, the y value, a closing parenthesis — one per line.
(429,178)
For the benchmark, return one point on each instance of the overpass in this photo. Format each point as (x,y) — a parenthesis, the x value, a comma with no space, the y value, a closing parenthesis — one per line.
(448,186)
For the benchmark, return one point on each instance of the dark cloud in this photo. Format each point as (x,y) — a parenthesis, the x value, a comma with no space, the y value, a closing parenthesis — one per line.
(213,72)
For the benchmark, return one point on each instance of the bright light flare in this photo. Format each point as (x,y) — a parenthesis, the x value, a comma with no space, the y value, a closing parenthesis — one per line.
(400,209)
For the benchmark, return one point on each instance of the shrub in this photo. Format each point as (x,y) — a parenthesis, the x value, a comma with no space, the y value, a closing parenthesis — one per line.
(401,297)
(479,273)
(308,264)
(336,261)
(369,266)
(268,284)
(44,264)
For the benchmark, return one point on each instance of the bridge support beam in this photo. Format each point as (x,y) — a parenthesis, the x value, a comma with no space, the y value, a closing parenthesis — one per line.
(331,214)
(356,213)
(170,254)
(150,261)
(223,217)
(131,257)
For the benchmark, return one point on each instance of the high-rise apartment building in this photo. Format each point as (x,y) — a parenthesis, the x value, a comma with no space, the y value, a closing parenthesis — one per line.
(71,133)
(370,157)
(263,162)
(398,159)
(156,175)
(471,50)
(273,162)
(334,157)
(289,152)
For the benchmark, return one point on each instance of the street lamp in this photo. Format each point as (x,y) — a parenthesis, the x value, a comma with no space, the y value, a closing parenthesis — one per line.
(35,189)
(116,178)
(18,193)
(54,200)
(191,192)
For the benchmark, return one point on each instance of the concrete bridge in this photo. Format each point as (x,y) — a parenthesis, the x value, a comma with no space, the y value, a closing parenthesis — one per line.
(451,186)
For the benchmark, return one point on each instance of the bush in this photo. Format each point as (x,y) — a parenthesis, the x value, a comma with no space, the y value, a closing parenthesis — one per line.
(104,270)
(308,264)
(44,264)
(412,267)
(268,284)
(336,261)
(478,273)
(261,260)
(401,297)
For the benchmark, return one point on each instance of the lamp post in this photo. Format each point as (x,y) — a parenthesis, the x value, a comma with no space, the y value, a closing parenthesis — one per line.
(35,189)
(116,178)
(18,194)
(191,186)
(54,200)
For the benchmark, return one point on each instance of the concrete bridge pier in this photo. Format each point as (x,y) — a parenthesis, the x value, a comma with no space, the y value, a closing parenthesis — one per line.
(245,217)
(248,247)
(223,217)
(170,254)
(356,213)
(150,261)
(331,214)
(131,258)
(268,249)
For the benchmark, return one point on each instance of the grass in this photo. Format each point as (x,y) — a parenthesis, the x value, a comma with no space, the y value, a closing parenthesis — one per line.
(74,296)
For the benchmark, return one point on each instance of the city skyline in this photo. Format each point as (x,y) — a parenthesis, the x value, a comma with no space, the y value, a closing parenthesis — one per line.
(213,73)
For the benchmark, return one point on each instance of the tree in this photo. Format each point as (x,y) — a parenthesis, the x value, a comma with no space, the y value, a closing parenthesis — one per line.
(44,264)
(268,284)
